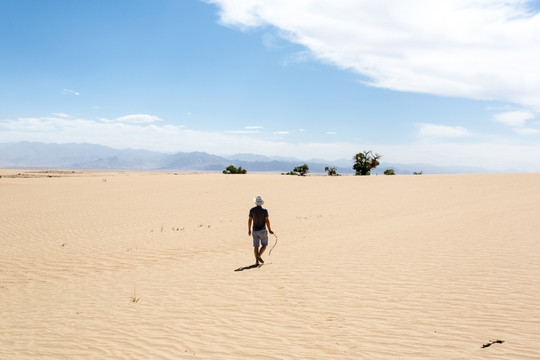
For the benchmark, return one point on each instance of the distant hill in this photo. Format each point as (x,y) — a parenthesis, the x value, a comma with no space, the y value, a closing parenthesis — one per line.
(74,156)
(90,156)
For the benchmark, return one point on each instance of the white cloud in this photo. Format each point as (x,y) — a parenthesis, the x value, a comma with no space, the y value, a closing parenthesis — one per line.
(62,115)
(513,118)
(298,57)
(527,131)
(331,133)
(242,132)
(70,92)
(441,131)
(138,119)
(248,130)
(281,132)
(482,49)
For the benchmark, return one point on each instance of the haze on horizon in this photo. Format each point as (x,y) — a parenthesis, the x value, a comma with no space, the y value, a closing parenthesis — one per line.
(451,82)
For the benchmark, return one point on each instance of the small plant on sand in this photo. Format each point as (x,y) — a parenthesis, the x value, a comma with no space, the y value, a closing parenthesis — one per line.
(231,169)
(134,298)
(301,170)
(389,172)
(417,173)
(331,171)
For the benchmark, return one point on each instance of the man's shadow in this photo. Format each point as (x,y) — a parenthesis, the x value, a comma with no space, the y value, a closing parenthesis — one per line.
(254,266)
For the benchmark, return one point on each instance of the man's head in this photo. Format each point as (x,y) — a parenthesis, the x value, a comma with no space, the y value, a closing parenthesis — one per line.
(258,200)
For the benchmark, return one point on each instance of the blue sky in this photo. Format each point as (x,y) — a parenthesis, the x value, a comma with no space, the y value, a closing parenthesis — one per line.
(450,82)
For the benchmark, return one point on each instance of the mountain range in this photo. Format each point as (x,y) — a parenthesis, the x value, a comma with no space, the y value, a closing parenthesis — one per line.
(91,156)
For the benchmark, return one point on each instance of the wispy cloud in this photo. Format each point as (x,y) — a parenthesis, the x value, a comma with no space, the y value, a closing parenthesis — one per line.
(331,133)
(527,131)
(247,130)
(517,121)
(298,57)
(242,132)
(281,132)
(514,118)
(486,49)
(62,115)
(70,92)
(441,131)
(138,119)
(271,41)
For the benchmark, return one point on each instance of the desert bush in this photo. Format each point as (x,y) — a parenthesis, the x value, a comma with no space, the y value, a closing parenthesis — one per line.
(365,161)
(301,170)
(389,172)
(331,171)
(233,170)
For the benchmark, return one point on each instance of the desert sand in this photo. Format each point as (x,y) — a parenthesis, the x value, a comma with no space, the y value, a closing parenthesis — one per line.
(140,265)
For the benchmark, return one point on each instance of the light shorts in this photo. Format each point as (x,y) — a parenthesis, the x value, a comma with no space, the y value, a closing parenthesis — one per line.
(260,237)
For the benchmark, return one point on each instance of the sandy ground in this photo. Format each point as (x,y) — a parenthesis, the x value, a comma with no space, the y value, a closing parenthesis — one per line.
(134,265)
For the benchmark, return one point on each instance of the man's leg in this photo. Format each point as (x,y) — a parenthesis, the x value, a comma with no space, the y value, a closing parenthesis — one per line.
(264,243)
(260,254)
(256,252)
(262,250)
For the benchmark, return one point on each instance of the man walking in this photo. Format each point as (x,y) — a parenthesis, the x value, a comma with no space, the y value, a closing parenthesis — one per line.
(258,216)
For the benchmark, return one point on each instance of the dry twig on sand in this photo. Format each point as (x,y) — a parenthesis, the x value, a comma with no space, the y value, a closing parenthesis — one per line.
(491,342)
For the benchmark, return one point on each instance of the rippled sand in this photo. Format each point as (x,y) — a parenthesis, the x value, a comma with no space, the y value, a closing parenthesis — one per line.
(134,265)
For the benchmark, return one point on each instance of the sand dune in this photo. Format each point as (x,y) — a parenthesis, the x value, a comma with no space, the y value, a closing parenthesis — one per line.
(380,267)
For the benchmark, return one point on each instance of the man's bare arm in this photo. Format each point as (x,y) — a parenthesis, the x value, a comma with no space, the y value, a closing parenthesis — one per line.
(268,225)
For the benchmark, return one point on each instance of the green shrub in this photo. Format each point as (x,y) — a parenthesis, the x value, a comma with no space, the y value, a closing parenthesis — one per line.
(299,170)
(365,161)
(233,170)
(331,171)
